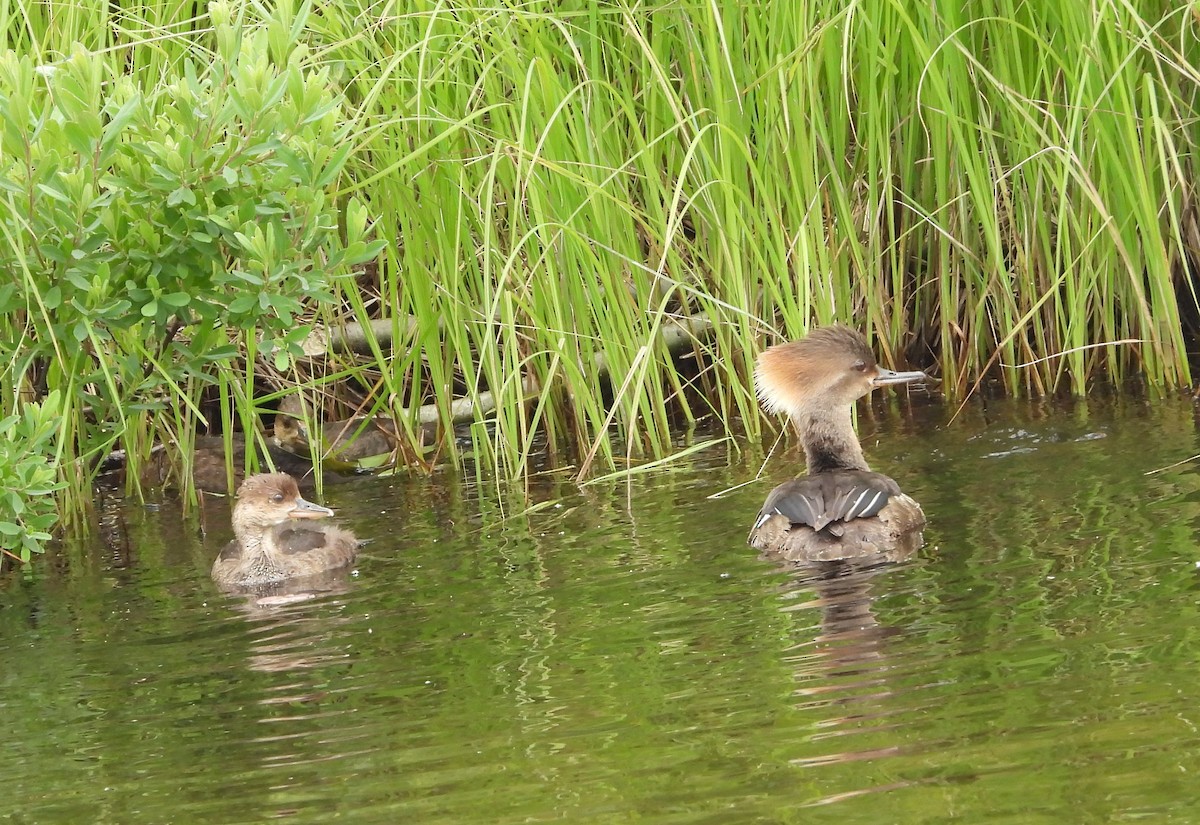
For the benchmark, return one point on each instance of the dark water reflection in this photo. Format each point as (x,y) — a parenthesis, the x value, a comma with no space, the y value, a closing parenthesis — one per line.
(619,655)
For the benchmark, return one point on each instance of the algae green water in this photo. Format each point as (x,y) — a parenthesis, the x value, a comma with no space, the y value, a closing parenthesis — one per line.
(619,655)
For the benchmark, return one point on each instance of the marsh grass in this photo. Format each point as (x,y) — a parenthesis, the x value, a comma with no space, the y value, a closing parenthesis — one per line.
(978,187)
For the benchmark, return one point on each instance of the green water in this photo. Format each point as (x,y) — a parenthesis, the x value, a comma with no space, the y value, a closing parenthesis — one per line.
(619,655)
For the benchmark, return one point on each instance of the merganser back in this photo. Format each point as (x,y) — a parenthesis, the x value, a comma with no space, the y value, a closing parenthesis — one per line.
(841,509)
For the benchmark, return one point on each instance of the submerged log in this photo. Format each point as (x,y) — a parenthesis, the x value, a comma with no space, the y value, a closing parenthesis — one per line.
(356,338)
(288,451)
(677,334)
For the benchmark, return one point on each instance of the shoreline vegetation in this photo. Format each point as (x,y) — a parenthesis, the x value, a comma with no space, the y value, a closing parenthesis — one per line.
(507,230)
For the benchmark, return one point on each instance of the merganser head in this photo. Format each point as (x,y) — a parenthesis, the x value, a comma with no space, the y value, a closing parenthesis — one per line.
(290,433)
(832,367)
(266,500)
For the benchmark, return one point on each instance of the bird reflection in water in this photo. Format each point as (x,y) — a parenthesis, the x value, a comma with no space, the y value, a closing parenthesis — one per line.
(845,669)
(293,626)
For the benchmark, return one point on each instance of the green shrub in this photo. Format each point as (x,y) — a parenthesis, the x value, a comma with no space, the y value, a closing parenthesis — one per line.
(28,478)
(154,235)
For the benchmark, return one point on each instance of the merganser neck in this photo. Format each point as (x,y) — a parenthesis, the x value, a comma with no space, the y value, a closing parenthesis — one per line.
(829,440)
(251,540)
(253,543)
(258,551)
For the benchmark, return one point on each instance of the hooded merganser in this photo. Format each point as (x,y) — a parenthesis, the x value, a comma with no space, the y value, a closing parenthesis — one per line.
(208,465)
(270,546)
(841,509)
(350,440)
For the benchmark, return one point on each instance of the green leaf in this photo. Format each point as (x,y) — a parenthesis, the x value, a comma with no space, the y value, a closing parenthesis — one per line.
(56,194)
(8,299)
(242,304)
(181,195)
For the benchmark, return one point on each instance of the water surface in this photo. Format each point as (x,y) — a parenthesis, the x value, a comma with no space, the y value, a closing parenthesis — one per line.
(619,654)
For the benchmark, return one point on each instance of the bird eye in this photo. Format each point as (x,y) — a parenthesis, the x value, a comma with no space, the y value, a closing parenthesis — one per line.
(860,366)
(277,498)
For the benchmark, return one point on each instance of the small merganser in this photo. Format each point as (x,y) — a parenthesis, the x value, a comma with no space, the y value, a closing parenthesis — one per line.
(841,509)
(273,541)
(350,440)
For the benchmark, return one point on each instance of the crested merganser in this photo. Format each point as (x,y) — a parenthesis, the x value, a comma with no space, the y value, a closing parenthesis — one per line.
(841,509)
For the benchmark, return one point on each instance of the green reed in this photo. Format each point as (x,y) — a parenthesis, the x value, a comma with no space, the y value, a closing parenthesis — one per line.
(979,192)
(990,191)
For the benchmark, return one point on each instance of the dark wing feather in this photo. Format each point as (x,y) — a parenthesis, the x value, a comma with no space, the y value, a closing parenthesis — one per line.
(822,500)
(294,541)
(313,549)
